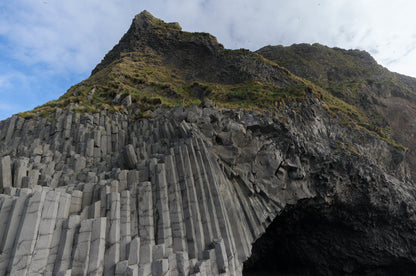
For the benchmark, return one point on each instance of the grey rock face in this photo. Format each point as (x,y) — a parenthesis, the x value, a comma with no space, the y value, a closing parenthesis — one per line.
(180,195)
(5,173)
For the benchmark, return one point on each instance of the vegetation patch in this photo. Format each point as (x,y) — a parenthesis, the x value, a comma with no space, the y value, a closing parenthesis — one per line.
(137,83)
(150,84)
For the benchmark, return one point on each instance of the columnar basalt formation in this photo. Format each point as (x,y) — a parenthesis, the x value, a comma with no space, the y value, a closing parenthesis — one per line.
(120,197)
(186,192)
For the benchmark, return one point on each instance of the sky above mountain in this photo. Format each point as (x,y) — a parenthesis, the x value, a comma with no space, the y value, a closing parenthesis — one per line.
(48,45)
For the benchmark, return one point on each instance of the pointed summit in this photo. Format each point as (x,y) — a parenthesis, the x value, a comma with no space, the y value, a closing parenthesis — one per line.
(147,34)
(198,56)
(145,21)
(144,16)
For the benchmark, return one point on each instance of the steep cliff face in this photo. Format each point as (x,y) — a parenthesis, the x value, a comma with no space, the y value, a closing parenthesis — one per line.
(387,99)
(263,171)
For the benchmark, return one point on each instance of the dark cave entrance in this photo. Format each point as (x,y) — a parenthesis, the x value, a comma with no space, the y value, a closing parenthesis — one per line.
(309,238)
(313,238)
(275,252)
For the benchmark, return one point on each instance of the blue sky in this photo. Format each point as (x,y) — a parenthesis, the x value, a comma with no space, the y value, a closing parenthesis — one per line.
(48,45)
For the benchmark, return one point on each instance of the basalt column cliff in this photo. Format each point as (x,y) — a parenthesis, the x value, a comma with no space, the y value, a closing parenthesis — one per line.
(179,157)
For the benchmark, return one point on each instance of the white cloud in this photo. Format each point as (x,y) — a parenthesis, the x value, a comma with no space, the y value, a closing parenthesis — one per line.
(75,35)
(383,28)
(405,64)
(64,35)
(10,79)
(4,81)
(68,38)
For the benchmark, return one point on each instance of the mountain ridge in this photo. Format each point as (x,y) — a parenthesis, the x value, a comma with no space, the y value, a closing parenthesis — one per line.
(385,98)
(148,34)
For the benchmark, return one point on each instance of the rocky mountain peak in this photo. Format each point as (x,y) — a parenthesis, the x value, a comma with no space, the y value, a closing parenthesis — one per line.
(157,64)
(145,21)
(198,56)
(150,35)
(143,18)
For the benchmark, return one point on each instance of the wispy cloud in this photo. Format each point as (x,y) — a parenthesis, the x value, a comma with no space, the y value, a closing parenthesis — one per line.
(64,36)
(56,42)
(5,81)
(380,27)
(74,35)
(9,101)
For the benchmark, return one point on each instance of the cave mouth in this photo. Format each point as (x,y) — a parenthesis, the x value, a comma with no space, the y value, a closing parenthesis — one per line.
(322,239)
(305,239)
(275,252)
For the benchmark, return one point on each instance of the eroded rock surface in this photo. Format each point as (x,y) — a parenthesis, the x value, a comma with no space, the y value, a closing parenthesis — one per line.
(190,190)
